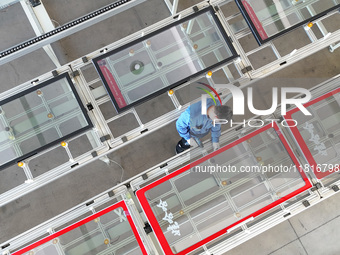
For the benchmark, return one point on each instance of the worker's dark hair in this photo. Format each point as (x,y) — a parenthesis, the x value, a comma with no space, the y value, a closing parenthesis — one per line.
(223,112)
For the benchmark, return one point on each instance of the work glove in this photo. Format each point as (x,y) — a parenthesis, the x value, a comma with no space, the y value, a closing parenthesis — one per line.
(196,140)
(216,146)
(193,141)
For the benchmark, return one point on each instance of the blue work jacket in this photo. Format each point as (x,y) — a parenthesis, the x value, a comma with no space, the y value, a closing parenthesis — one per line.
(192,122)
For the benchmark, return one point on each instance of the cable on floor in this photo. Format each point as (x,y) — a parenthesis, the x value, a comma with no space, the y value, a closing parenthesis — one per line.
(123,171)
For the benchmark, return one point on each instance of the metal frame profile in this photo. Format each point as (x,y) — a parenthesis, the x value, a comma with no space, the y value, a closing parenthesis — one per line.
(80,223)
(155,124)
(301,142)
(35,88)
(142,198)
(254,23)
(66,30)
(158,92)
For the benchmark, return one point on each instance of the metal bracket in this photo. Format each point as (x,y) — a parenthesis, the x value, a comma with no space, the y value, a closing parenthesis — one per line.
(335,188)
(89,106)
(76,164)
(89,203)
(246,69)
(75,73)
(164,165)
(316,186)
(105,138)
(35,3)
(143,131)
(306,203)
(103,50)
(5,246)
(286,215)
(124,139)
(55,73)
(238,128)
(145,176)
(147,228)
(85,59)
(111,193)
(35,82)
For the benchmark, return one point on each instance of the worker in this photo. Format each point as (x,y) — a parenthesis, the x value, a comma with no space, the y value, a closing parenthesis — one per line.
(193,125)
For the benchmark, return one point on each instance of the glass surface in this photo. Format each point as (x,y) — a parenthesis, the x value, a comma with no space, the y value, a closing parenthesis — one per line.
(271,17)
(109,234)
(199,202)
(320,133)
(39,117)
(164,59)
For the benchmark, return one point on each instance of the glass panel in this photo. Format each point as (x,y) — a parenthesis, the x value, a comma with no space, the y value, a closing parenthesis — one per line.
(319,134)
(225,189)
(111,233)
(164,59)
(39,117)
(270,18)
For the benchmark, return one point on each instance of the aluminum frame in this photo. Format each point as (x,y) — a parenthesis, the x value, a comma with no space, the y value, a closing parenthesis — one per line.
(301,142)
(110,196)
(140,194)
(111,208)
(37,87)
(165,89)
(66,30)
(257,35)
(116,142)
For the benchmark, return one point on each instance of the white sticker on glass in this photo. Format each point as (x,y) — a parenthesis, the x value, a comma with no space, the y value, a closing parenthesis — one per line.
(173,225)
(319,146)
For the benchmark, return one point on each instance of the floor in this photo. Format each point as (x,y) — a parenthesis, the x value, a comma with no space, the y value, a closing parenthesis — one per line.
(312,232)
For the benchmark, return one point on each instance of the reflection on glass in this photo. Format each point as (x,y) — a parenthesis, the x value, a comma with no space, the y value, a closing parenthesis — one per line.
(38,117)
(164,59)
(320,134)
(227,188)
(271,17)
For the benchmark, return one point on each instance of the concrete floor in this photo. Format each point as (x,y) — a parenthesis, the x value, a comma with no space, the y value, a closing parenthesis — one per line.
(311,232)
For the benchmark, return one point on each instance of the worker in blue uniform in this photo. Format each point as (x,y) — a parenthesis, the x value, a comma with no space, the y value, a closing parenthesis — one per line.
(193,125)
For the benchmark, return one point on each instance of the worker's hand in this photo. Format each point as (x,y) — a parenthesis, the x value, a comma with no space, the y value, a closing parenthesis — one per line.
(216,146)
(194,141)
(191,142)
